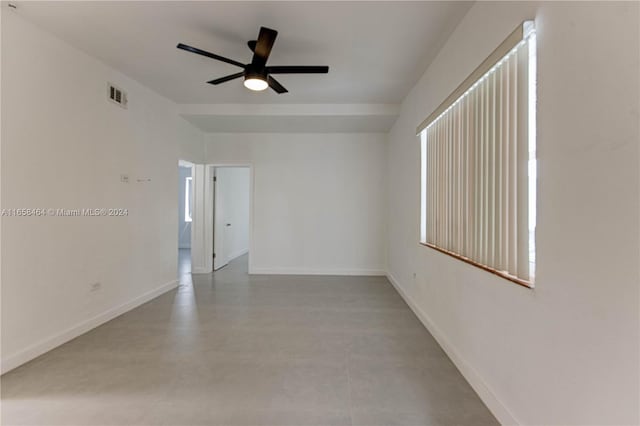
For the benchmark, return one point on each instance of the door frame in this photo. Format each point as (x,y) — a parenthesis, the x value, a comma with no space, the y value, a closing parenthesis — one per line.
(208,212)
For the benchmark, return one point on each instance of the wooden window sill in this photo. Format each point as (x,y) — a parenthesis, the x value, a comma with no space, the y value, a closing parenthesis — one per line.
(501,274)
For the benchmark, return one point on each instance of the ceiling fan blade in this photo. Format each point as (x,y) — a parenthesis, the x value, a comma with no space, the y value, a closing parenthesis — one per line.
(252,45)
(273,83)
(298,69)
(209,55)
(265,41)
(226,78)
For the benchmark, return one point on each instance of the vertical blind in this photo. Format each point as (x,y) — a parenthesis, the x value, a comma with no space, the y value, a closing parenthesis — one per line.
(478,194)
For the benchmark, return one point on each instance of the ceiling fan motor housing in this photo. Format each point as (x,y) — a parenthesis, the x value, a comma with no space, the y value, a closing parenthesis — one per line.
(251,71)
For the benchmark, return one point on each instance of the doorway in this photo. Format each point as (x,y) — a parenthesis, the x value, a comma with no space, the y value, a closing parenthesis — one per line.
(231,215)
(185,217)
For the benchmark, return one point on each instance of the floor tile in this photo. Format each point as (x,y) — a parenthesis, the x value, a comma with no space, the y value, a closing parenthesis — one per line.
(232,349)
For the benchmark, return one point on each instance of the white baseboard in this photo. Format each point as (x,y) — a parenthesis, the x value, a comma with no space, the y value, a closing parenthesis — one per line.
(499,410)
(303,271)
(200,271)
(37,349)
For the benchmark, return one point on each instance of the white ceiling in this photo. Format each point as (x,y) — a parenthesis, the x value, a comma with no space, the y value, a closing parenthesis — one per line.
(376,50)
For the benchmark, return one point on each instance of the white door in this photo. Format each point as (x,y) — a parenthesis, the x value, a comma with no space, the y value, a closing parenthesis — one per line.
(220,257)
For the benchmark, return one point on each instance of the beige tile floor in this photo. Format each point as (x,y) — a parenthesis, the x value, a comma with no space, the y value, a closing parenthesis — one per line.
(230,349)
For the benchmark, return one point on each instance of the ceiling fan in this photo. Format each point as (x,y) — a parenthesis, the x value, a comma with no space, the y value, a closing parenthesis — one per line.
(257,75)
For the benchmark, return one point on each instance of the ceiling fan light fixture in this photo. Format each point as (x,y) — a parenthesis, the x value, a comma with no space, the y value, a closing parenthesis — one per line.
(255,83)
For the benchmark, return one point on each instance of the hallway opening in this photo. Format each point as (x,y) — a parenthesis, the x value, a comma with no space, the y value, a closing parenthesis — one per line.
(185,218)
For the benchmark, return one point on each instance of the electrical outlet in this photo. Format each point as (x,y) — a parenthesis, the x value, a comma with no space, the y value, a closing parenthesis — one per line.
(95,286)
(124,178)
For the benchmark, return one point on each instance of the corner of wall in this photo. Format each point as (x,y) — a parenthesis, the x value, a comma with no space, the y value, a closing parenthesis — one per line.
(497,408)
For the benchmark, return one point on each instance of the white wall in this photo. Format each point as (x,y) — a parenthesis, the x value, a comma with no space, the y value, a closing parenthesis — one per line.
(568,351)
(318,201)
(236,209)
(64,145)
(184,228)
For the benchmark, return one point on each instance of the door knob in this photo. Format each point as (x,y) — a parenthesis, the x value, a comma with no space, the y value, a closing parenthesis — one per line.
(228,224)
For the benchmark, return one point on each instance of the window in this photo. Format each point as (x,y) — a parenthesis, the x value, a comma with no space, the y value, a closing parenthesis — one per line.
(187,199)
(478,164)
